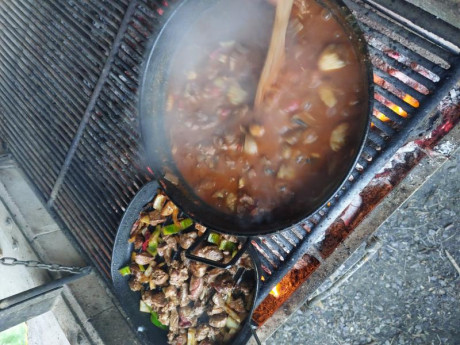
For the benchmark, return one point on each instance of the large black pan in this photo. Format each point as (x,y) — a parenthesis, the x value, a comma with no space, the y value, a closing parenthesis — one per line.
(217,14)
(147,332)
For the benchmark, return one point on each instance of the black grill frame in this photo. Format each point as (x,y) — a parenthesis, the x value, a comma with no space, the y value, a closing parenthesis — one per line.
(68,107)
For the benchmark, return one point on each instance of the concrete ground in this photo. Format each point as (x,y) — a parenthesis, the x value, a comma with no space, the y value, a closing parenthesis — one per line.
(85,313)
(409,292)
(447,10)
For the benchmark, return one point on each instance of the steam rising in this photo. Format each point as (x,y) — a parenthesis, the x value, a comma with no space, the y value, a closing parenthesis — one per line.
(248,22)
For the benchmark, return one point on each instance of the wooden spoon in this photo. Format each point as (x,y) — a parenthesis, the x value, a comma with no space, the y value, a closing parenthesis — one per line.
(276,54)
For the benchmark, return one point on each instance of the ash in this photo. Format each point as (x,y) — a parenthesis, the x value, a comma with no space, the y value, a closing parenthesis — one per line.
(408,293)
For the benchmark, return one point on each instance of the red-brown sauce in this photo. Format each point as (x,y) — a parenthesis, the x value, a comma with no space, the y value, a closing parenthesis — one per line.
(295,148)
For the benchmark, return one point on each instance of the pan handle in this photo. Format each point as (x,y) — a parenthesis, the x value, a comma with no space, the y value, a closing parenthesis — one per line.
(188,253)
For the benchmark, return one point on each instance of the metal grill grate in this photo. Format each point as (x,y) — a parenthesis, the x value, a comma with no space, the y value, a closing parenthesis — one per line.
(107,169)
(51,57)
(68,94)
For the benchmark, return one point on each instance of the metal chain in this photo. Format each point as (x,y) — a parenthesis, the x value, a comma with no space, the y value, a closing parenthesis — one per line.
(37,264)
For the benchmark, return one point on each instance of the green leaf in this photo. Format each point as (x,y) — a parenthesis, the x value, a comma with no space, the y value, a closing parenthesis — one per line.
(16,335)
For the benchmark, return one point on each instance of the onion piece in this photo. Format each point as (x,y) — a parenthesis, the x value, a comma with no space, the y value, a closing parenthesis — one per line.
(232,313)
(256,130)
(144,308)
(174,217)
(159,202)
(286,172)
(231,201)
(236,95)
(250,145)
(330,60)
(231,323)
(168,209)
(148,271)
(191,336)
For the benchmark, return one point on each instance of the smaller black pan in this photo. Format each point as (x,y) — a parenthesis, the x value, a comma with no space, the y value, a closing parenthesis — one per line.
(121,256)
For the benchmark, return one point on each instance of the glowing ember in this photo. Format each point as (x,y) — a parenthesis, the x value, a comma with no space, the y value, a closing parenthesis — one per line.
(411,100)
(378,80)
(276,291)
(398,110)
(381,116)
(405,97)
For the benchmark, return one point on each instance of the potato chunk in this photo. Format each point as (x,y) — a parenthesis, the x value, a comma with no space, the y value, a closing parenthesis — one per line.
(330,59)
(338,137)
(327,96)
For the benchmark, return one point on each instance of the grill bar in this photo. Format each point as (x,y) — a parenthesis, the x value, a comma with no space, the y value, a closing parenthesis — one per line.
(13,99)
(42,130)
(443,33)
(376,139)
(383,127)
(368,13)
(87,238)
(82,46)
(390,113)
(284,242)
(394,99)
(91,103)
(399,84)
(45,60)
(11,39)
(84,203)
(398,47)
(429,84)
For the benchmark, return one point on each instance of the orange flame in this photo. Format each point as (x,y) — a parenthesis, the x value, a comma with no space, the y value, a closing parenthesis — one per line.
(275,291)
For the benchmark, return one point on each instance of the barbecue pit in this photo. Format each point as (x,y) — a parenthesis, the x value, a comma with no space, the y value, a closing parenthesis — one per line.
(68,106)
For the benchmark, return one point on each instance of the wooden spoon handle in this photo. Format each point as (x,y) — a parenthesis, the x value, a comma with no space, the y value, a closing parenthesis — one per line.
(275,55)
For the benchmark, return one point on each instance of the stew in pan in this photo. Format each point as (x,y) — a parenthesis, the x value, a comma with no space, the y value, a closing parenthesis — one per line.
(290,152)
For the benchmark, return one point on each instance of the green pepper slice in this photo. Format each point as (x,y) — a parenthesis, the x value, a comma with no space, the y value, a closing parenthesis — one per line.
(214,238)
(227,245)
(125,271)
(153,242)
(152,250)
(156,322)
(174,229)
